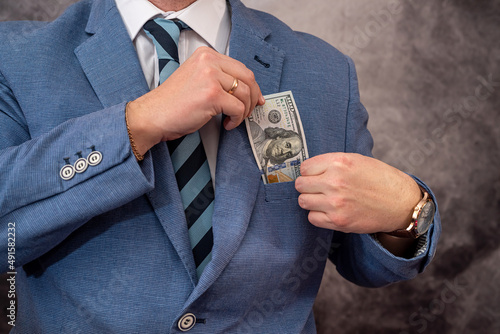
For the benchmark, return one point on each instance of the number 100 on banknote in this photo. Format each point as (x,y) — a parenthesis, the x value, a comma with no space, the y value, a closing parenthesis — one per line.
(277,138)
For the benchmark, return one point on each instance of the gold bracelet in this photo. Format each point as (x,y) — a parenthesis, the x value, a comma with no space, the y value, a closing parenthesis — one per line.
(137,155)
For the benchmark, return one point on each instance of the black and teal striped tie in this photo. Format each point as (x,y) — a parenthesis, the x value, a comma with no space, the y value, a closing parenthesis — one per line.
(188,155)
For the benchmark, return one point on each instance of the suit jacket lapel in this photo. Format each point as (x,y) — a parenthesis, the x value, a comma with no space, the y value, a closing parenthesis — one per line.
(110,63)
(108,57)
(238,177)
(109,60)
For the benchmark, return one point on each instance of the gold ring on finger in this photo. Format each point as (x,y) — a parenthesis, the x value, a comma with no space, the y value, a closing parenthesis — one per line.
(233,87)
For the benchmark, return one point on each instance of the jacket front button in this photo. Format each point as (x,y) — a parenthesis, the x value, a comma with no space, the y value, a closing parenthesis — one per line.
(186,322)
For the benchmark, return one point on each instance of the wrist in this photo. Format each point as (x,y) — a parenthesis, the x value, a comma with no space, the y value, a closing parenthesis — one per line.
(141,135)
(421,218)
(403,246)
(410,199)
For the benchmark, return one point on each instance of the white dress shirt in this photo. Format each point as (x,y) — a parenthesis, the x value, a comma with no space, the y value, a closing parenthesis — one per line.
(210,24)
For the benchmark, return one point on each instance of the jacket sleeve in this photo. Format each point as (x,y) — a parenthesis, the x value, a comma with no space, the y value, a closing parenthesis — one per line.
(34,198)
(359,257)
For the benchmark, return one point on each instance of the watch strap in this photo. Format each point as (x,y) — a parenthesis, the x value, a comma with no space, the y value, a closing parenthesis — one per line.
(411,231)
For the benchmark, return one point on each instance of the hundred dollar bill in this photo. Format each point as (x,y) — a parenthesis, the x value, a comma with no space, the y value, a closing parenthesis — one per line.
(277,138)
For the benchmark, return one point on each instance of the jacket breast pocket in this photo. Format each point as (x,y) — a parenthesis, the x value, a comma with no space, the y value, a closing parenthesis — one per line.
(280,191)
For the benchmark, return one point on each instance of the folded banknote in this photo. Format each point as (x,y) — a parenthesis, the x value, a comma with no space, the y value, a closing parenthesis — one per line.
(277,138)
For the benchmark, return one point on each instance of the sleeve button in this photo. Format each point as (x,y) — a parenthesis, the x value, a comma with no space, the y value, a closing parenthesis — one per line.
(67,172)
(94,158)
(81,165)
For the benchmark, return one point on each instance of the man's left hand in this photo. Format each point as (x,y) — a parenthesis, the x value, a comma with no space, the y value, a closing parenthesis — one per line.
(353,193)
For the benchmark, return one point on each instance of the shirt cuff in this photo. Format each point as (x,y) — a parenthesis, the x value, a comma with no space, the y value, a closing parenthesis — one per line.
(422,244)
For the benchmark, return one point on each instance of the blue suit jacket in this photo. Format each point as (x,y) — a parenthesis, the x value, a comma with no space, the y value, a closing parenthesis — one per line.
(108,251)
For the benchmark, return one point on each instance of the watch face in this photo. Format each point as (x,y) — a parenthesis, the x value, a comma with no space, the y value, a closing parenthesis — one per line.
(425,218)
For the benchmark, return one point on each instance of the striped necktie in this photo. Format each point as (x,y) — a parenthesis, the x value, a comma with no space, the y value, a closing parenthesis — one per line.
(188,155)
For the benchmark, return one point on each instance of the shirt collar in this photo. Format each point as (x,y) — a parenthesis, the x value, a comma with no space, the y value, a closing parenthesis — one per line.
(208,18)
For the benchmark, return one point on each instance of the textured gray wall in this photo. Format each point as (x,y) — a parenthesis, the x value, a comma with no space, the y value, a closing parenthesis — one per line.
(419,64)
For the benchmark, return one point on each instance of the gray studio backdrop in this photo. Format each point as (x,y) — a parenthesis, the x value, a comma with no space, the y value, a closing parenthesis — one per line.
(429,77)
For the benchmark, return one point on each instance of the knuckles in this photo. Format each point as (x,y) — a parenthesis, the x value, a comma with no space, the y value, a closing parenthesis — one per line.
(240,109)
(245,90)
(338,222)
(211,91)
(342,160)
(204,54)
(208,72)
(249,77)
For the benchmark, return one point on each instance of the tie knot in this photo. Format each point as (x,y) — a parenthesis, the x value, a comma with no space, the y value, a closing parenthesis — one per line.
(156,28)
(165,36)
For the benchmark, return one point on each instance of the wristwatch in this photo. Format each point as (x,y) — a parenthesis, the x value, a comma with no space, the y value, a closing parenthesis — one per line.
(421,220)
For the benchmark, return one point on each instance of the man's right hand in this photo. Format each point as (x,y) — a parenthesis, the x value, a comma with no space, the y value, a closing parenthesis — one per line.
(191,96)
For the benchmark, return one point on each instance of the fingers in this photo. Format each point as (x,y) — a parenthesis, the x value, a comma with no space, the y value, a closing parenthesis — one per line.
(241,93)
(338,161)
(237,105)
(313,166)
(310,184)
(325,213)
(235,110)
(247,90)
(314,202)
(198,91)
(239,71)
(319,219)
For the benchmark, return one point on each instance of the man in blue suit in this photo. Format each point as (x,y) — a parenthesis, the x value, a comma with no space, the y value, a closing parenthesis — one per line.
(87,183)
